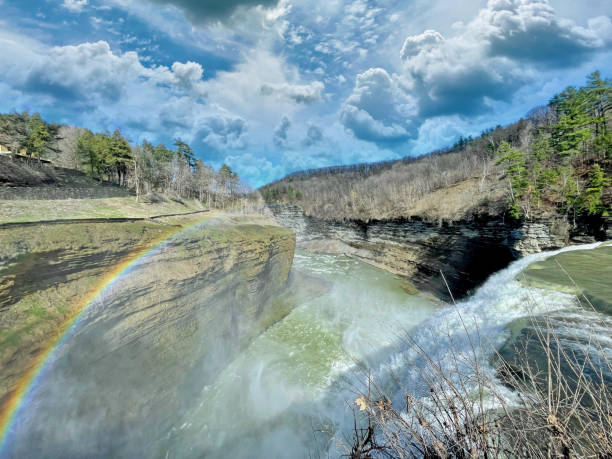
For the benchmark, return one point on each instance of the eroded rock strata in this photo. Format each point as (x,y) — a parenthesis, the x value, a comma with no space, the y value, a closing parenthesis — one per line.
(466,251)
(166,326)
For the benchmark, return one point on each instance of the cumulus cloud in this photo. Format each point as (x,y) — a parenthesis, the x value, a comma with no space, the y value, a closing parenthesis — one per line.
(75,6)
(495,54)
(189,76)
(222,132)
(90,75)
(284,92)
(109,88)
(529,30)
(415,44)
(274,72)
(85,73)
(206,11)
(112,89)
(314,135)
(280,133)
(506,46)
(301,94)
(380,109)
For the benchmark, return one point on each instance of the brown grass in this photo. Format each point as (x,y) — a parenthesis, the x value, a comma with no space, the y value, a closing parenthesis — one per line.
(37,210)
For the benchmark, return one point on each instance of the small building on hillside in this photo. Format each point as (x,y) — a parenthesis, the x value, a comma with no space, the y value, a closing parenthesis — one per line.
(6,150)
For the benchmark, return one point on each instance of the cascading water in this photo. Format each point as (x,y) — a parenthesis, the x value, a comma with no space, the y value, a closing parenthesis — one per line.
(290,393)
(478,325)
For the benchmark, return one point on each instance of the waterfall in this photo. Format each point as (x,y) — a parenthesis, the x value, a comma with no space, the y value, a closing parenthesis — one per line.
(292,391)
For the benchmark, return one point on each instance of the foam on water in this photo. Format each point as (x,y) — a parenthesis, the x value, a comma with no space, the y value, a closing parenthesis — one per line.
(481,320)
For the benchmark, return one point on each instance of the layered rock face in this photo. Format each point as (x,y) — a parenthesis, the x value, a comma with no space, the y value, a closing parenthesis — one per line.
(466,252)
(160,331)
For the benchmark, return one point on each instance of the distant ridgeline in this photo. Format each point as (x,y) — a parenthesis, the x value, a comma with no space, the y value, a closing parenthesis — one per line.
(110,157)
(555,162)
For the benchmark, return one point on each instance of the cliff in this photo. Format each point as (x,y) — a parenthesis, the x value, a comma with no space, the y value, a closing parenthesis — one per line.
(178,314)
(466,251)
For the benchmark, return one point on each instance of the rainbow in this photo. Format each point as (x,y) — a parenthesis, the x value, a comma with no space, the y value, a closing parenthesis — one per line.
(26,386)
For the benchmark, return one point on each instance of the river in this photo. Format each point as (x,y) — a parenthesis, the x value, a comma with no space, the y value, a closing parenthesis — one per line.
(291,393)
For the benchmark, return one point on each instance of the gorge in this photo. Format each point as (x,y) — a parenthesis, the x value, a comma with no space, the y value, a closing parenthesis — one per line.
(172,374)
(371,229)
(193,293)
(212,333)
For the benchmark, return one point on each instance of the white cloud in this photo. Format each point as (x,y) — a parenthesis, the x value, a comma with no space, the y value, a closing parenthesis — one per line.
(336,64)
(529,30)
(314,135)
(418,43)
(380,109)
(489,58)
(302,94)
(111,89)
(76,6)
(90,72)
(507,45)
(262,88)
(189,76)
(222,132)
(464,73)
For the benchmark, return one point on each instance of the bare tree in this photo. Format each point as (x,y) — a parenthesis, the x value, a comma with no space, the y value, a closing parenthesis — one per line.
(68,155)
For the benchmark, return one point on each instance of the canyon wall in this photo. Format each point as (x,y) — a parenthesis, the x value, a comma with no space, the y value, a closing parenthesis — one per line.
(465,251)
(160,331)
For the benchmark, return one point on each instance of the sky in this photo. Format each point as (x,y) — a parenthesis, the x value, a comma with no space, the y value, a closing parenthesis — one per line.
(274,86)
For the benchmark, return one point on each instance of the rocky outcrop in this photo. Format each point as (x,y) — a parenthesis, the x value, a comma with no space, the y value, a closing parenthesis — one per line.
(465,251)
(163,327)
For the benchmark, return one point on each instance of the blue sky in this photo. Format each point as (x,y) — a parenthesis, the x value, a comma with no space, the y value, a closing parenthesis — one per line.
(274,86)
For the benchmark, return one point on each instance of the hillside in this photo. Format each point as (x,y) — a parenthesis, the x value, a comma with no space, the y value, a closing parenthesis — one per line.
(32,192)
(556,161)
(44,160)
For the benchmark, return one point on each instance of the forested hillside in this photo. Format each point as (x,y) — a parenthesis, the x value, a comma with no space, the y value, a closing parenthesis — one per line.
(557,160)
(143,168)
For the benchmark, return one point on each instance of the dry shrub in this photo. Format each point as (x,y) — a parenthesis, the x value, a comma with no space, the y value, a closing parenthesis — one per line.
(391,192)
